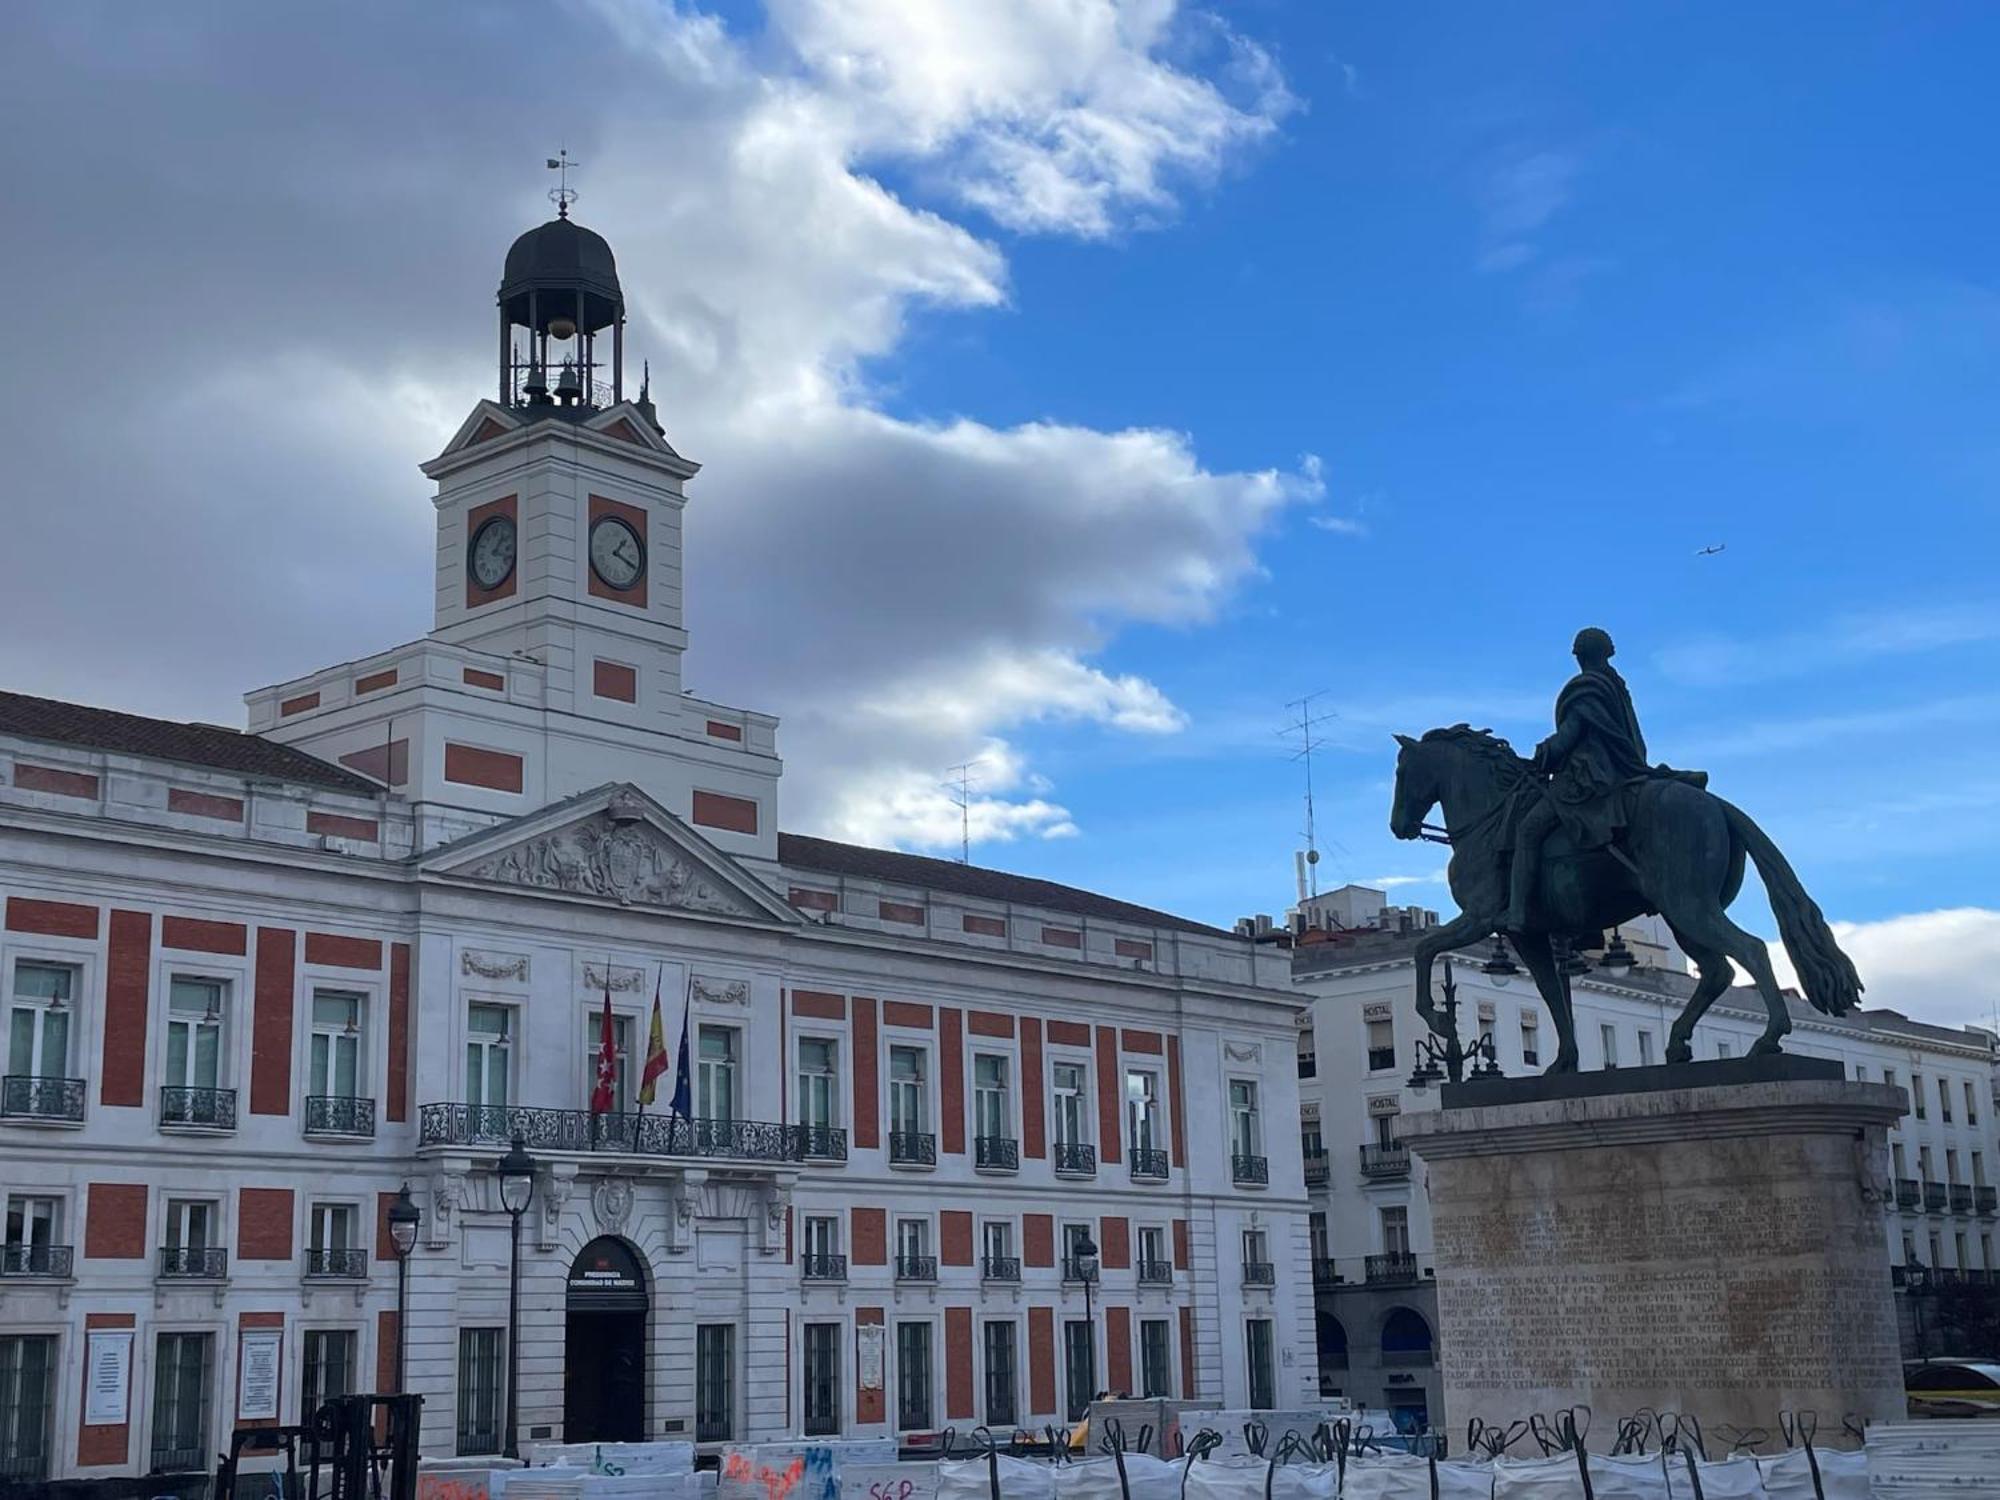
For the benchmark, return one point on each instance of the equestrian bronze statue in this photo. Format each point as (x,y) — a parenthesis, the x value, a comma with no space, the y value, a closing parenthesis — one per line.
(1554,850)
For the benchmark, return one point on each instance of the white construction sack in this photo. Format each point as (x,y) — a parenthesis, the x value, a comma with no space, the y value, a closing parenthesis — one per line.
(1736,1478)
(1403,1477)
(1146,1477)
(1843,1474)
(972,1479)
(1245,1479)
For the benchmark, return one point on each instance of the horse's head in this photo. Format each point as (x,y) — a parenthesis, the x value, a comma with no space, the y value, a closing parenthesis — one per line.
(1416,789)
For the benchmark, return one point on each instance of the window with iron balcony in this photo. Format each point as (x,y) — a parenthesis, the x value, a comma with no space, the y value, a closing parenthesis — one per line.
(35,1085)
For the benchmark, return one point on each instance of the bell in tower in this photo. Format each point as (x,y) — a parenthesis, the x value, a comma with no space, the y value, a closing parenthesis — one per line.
(560,289)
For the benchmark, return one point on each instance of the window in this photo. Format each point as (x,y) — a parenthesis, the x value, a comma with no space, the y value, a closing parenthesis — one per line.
(1950,1166)
(1978,1168)
(1072,1117)
(38,1015)
(715,1085)
(1917,1094)
(1486,1032)
(334,1065)
(913,1250)
(997,1240)
(1721,1047)
(822,1379)
(1316,1235)
(1001,1411)
(1155,1358)
(992,1114)
(909,1099)
(1152,1248)
(1385,1130)
(1396,1231)
(1944,1100)
(1924,1162)
(1971,1103)
(1246,1136)
(1896,1158)
(27,1404)
(1257,1267)
(1073,1237)
(479,1388)
(1311,1142)
(714,1381)
(34,1238)
(1958,1245)
(328,1368)
(821,1235)
(330,1248)
(1937,1251)
(1645,1049)
(621,1050)
(182,1367)
(1079,1368)
(1381,1046)
(1257,1349)
(487,1074)
(1531,1040)
(1986,1251)
(819,1083)
(1308,1058)
(194,1033)
(1608,1036)
(191,1224)
(1142,1109)
(913,1376)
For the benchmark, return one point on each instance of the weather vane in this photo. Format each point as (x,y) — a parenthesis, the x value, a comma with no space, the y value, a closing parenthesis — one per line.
(563,195)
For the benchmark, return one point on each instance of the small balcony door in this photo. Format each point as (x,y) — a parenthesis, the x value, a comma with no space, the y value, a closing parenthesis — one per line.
(38,1015)
(194,1033)
(335,1063)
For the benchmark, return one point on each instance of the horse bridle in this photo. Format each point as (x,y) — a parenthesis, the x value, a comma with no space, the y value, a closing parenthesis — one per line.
(1437,834)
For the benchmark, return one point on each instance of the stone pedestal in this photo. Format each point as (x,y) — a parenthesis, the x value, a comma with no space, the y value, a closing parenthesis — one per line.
(1706,1238)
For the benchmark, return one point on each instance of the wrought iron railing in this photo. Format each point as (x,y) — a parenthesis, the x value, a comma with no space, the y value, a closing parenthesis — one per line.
(822,1143)
(1075,1159)
(823,1267)
(1381,1059)
(1074,1270)
(1000,1267)
(1247,1168)
(916,1268)
(332,1114)
(1259,1273)
(55,1099)
(212,1109)
(57,1261)
(996,1153)
(1146,1162)
(1396,1266)
(636,1134)
(912,1148)
(1318,1172)
(179,1460)
(194,1262)
(1385,1160)
(1325,1272)
(1935,1197)
(346,1265)
(1909,1193)
(1986,1199)
(1961,1198)
(1156,1273)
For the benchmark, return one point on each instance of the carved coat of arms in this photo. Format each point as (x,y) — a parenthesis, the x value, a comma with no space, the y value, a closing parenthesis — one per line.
(629,862)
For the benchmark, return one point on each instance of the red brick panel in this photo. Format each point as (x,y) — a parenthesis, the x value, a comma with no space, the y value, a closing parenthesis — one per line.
(1187,1354)
(473,765)
(718,730)
(195,935)
(906,1013)
(957,1362)
(1038,1239)
(114,1221)
(127,985)
(806,900)
(97,1447)
(1180,1244)
(984,926)
(951,1071)
(474,519)
(51,918)
(1069,1033)
(868,1404)
(1133,948)
(867,1098)
(1062,937)
(955,1237)
(60,783)
(900,911)
(1118,1349)
(387,763)
(870,1236)
(298,705)
(1033,1128)
(374,682)
(271,1025)
(730,814)
(1143,1041)
(332,950)
(1116,1247)
(1176,1103)
(204,805)
(264,1224)
(397,1105)
(1110,1097)
(635,517)
(497,681)
(819,1005)
(1041,1359)
(614,680)
(989,1023)
(386,1335)
(340,826)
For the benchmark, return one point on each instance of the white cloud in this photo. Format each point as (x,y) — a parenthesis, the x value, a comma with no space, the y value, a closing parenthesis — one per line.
(1937,966)
(1517,200)
(1715,659)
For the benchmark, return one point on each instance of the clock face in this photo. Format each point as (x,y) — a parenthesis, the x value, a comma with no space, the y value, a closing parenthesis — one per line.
(616,553)
(490,558)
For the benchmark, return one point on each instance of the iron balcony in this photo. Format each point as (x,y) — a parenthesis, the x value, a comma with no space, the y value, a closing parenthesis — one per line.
(203,1109)
(1156,1273)
(1987,1199)
(912,1148)
(1379,1162)
(823,1267)
(1318,1173)
(1909,1193)
(1961,1198)
(996,1153)
(1075,1159)
(632,1134)
(916,1268)
(1146,1162)
(337,1265)
(1259,1273)
(1934,1197)
(822,1143)
(1000,1268)
(1391,1269)
(54,1261)
(1245,1169)
(333,1114)
(1325,1273)
(194,1263)
(57,1101)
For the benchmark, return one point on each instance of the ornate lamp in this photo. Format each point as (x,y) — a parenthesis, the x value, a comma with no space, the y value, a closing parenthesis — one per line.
(1499,966)
(404,1216)
(516,1171)
(1618,960)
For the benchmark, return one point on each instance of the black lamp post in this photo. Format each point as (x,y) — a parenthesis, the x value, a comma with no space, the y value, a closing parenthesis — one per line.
(1447,1059)
(1086,1267)
(1918,1277)
(404,1217)
(517,1189)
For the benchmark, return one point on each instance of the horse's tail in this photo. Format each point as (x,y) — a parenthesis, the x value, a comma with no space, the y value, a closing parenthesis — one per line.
(1825,973)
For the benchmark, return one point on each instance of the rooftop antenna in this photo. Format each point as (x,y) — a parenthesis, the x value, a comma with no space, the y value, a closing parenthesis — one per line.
(563,195)
(959,788)
(1300,730)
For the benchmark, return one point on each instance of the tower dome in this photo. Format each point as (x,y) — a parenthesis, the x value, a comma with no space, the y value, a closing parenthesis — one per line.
(560,284)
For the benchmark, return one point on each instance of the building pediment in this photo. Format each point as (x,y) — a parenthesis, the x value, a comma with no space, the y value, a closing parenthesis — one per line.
(612,844)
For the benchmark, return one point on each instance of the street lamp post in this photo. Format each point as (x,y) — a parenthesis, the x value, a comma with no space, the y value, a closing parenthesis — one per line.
(1446,1059)
(1086,1267)
(404,1217)
(1918,1277)
(516,1171)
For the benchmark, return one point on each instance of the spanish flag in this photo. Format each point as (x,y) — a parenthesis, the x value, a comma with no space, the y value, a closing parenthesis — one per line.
(656,1049)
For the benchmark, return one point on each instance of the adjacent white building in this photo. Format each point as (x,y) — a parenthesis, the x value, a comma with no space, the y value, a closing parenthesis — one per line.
(965,1146)
(1370,1222)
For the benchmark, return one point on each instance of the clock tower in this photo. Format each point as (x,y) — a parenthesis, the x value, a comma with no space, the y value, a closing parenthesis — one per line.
(558,613)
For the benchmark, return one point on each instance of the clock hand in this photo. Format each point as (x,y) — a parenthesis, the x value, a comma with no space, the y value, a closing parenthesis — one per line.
(620,552)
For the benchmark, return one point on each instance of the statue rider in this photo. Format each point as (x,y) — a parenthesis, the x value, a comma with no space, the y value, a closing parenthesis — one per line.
(1596,750)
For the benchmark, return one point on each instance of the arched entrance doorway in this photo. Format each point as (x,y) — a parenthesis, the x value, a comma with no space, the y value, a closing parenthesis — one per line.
(604,1348)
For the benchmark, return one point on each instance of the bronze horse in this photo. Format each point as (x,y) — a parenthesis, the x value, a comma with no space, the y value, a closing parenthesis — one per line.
(1681,855)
